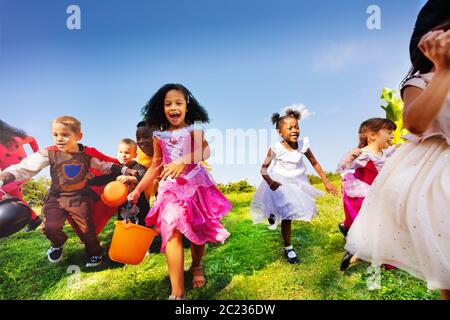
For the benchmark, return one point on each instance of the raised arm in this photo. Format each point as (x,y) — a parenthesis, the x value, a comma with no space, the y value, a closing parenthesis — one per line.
(422,106)
(316,165)
(348,159)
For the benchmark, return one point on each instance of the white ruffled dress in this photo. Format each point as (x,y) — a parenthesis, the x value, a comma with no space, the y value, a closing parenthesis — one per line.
(295,198)
(405,219)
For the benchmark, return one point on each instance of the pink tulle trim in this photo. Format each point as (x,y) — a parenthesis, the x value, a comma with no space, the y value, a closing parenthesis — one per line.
(196,216)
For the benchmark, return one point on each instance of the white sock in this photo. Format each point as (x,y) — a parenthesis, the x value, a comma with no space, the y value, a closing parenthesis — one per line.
(291,254)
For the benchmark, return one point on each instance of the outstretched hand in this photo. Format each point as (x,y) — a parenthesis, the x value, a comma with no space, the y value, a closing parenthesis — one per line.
(331,188)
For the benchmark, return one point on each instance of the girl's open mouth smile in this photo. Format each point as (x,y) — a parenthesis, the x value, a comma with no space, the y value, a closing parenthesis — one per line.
(174,116)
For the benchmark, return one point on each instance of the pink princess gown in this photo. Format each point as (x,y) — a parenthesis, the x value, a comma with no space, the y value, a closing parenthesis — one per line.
(191,204)
(357,177)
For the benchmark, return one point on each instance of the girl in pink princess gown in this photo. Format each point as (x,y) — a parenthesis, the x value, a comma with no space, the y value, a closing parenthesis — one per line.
(361,166)
(188,202)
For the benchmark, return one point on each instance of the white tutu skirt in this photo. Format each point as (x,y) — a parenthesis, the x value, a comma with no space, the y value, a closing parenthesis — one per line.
(293,200)
(405,219)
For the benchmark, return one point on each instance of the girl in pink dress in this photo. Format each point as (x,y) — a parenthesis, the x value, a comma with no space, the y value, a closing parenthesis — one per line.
(360,167)
(188,202)
(12,152)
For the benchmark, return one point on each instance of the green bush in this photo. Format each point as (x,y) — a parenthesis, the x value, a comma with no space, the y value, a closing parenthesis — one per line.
(34,190)
(239,187)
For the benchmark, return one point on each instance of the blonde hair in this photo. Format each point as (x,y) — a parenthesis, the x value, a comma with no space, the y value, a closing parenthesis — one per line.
(129,142)
(69,121)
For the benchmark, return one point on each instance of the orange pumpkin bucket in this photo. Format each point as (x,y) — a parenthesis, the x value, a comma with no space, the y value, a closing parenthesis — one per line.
(115,194)
(130,242)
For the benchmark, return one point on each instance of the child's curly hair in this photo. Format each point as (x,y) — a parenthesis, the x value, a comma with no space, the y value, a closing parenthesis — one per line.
(288,112)
(153,111)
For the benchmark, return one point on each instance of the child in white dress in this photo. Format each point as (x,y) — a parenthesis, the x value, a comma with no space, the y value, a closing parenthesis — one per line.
(286,193)
(405,219)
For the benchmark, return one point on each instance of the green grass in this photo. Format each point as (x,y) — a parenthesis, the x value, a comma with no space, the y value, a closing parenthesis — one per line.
(250,265)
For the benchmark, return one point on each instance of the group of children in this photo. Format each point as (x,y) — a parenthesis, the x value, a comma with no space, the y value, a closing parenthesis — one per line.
(396,199)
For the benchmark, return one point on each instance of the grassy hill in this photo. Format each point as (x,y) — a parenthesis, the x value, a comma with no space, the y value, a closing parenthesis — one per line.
(250,265)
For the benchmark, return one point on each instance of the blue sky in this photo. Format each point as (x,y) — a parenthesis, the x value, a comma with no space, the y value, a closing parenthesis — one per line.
(243,60)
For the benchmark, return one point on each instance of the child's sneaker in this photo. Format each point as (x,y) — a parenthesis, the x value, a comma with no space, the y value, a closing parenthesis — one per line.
(94,261)
(343,229)
(291,256)
(54,254)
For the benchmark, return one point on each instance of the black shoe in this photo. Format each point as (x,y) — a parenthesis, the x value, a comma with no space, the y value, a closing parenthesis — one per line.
(54,254)
(94,261)
(293,260)
(271,219)
(346,260)
(343,229)
(33,224)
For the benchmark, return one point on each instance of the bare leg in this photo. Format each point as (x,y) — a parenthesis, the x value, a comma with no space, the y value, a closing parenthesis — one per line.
(445,294)
(197,252)
(175,263)
(286,232)
(198,279)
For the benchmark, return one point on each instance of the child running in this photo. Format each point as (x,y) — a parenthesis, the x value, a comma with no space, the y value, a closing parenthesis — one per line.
(360,167)
(405,220)
(126,154)
(188,202)
(68,196)
(286,193)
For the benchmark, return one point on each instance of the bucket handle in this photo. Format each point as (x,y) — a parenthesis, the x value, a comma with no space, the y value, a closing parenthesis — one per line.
(127,206)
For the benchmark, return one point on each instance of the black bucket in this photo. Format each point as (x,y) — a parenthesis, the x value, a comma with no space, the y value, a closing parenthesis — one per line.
(14,216)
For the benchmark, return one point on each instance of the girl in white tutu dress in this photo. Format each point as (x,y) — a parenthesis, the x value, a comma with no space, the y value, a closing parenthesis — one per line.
(405,219)
(286,194)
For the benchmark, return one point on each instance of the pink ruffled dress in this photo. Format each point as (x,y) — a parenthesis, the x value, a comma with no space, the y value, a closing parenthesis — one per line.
(357,177)
(191,204)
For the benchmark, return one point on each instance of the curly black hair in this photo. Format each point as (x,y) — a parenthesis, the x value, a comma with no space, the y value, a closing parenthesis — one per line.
(276,118)
(7,133)
(153,111)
